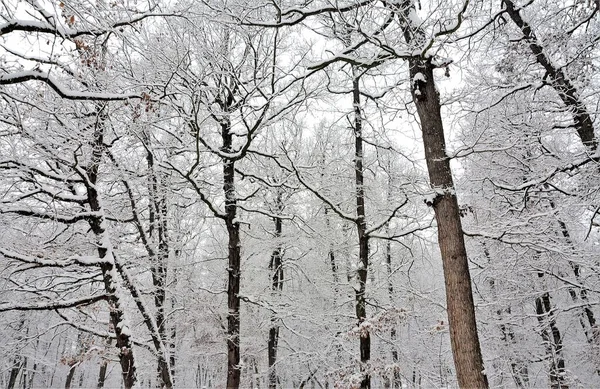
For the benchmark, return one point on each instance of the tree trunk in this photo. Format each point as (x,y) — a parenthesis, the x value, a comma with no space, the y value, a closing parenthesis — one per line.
(103,370)
(459,297)
(234,258)
(70,376)
(363,238)
(552,340)
(18,360)
(276,267)
(396,381)
(158,219)
(98,226)
(14,372)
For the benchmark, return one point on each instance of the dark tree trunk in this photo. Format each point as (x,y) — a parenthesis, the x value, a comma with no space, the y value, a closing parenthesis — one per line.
(158,218)
(70,376)
(361,227)
(24,375)
(103,370)
(234,259)
(276,267)
(396,379)
(173,339)
(459,297)
(464,338)
(97,224)
(14,372)
(552,340)
(18,361)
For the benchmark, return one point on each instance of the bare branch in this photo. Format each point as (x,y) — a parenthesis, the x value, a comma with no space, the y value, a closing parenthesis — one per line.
(37,306)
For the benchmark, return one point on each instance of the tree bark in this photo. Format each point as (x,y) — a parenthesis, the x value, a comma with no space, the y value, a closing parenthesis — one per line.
(14,372)
(70,376)
(103,369)
(276,267)
(459,296)
(98,226)
(234,259)
(552,340)
(158,219)
(361,228)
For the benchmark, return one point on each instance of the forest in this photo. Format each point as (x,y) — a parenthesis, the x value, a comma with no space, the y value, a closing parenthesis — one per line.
(299,194)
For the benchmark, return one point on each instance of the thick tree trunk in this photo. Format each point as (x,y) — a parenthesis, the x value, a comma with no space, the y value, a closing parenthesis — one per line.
(234,259)
(459,297)
(276,267)
(363,238)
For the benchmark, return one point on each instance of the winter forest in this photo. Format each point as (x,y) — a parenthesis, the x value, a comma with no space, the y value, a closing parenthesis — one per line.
(299,194)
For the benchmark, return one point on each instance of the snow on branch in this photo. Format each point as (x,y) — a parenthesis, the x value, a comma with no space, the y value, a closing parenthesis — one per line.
(66,219)
(294,16)
(68,32)
(41,261)
(60,89)
(403,233)
(37,306)
(548,176)
(387,220)
(365,63)
(318,194)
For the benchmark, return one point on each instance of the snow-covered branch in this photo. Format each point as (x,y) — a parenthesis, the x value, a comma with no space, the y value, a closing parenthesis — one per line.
(62,90)
(38,306)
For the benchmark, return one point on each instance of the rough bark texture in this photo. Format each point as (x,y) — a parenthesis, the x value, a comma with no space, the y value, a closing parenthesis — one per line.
(459,297)
(234,259)
(361,228)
